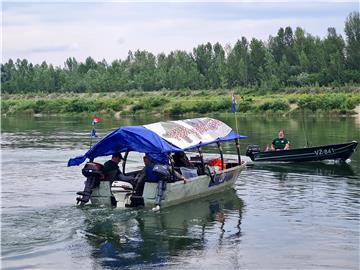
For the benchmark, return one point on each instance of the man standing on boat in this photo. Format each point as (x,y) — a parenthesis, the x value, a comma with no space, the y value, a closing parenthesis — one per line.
(280,143)
(164,174)
(112,171)
(159,172)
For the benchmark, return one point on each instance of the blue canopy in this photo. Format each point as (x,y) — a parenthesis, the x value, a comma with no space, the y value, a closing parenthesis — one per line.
(140,139)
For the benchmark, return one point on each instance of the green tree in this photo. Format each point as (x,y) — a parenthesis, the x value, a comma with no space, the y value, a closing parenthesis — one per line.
(291,58)
(203,56)
(270,80)
(352,31)
(217,70)
(257,60)
(237,64)
(277,45)
(290,52)
(334,47)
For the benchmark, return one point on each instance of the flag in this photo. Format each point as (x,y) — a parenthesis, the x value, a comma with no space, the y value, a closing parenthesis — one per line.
(233,103)
(95,120)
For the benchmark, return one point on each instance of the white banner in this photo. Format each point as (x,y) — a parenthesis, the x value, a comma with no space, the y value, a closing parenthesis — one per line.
(189,132)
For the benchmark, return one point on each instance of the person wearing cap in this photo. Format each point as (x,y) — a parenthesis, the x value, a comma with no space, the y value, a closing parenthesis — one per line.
(112,171)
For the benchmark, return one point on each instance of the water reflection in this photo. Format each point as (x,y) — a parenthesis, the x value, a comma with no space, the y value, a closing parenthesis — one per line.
(315,168)
(140,238)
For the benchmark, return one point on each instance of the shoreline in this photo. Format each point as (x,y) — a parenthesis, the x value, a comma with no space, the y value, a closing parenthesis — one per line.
(118,115)
(214,102)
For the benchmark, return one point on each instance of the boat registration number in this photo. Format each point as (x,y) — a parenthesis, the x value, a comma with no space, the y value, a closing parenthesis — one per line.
(322,152)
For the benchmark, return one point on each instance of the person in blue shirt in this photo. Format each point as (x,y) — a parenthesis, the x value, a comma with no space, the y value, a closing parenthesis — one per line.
(147,175)
(149,165)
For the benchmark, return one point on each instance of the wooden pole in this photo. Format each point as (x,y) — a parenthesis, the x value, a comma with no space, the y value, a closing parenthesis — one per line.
(221,155)
(237,141)
(236,125)
(124,161)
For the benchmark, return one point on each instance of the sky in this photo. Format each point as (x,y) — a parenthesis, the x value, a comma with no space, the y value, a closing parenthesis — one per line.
(53,31)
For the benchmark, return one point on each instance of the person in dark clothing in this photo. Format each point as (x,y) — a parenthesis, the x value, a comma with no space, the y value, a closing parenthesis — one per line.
(280,143)
(181,160)
(112,171)
(145,175)
(161,175)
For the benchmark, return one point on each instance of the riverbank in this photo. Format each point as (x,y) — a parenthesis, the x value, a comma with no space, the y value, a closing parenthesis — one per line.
(179,103)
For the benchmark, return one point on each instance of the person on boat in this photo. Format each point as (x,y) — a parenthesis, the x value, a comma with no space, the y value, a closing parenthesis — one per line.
(156,171)
(280,143)
(112,171)
(146,175)
(181,160)
(163,174)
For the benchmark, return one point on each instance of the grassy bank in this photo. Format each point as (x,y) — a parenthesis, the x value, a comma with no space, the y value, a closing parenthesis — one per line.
(180,102)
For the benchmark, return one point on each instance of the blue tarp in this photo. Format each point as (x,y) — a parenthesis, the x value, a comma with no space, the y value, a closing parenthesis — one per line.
(138,139)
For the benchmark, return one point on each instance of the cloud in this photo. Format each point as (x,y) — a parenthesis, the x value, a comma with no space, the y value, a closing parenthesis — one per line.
(53,32)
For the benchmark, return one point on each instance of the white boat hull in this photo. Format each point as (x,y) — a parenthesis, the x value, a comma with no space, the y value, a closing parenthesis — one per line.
(175,193)
(200,186)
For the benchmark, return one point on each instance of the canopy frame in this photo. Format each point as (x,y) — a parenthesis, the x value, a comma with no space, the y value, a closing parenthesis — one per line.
(144,140)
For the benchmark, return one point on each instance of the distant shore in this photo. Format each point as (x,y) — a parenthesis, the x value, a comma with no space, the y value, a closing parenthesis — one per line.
(183,102)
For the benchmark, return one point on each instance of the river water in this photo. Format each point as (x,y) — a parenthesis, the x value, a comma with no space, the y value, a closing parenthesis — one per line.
(277,217)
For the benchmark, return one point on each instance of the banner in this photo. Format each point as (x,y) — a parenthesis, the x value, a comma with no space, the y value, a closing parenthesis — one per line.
(189,132)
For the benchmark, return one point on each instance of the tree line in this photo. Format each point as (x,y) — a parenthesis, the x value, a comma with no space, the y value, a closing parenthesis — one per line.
(291,58)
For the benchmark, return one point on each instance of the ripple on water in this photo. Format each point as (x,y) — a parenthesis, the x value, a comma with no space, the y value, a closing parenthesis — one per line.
(280,217)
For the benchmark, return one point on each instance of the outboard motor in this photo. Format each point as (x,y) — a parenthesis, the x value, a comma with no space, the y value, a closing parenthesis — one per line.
(93,173)
(162,175)
(251,149)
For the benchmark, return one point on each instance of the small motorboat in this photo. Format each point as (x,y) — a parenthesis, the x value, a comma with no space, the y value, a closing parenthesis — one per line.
(162,139)
(339,152)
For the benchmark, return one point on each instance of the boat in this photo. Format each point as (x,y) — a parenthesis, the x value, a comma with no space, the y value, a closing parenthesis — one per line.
(160,141)
(305,168)
(340,152)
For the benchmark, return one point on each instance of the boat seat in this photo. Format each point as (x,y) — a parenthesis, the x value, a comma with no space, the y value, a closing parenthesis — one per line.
(189,172)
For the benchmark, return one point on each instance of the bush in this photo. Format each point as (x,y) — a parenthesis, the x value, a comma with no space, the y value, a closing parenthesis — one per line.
(7,105)
(156,101)
(278,105)
(137,107)
(84,105)
(223,104)
(203,107)
(24,105)
(245,105)
(328,102)
(77,103)
(292,100)
(177,109)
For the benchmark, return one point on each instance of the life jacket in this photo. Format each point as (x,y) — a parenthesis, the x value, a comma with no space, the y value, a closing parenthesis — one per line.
(217,164)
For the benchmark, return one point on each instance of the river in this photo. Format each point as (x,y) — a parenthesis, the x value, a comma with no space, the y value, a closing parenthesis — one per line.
(277,217)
